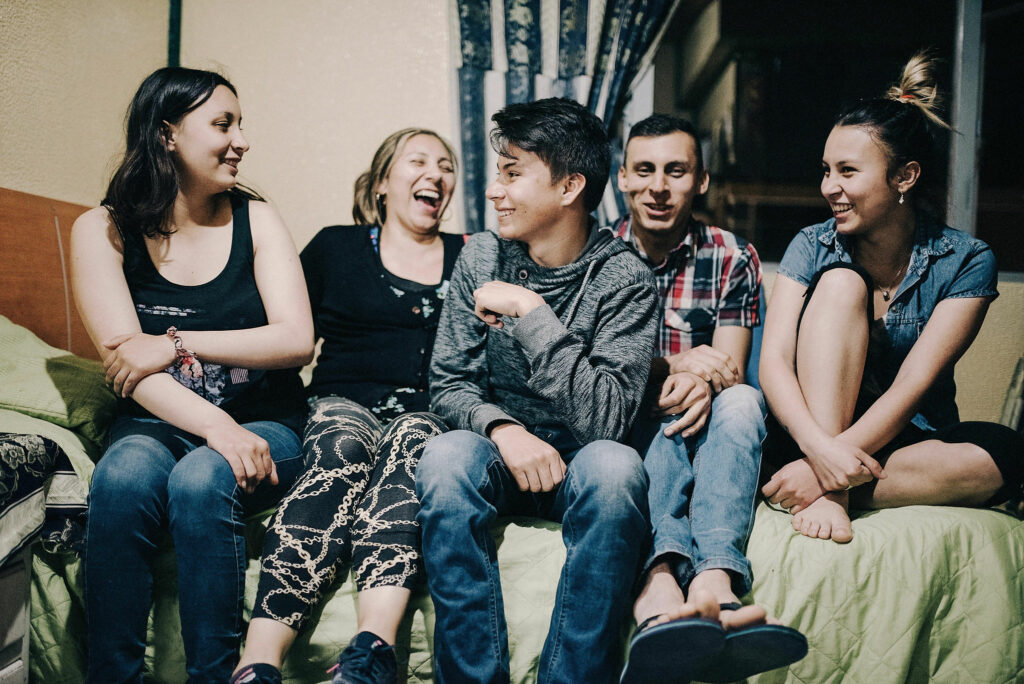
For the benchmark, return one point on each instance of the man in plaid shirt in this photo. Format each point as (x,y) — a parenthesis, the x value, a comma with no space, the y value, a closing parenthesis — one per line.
(701,430)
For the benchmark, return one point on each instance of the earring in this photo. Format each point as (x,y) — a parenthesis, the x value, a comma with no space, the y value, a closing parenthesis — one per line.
(901,198)
(381,199)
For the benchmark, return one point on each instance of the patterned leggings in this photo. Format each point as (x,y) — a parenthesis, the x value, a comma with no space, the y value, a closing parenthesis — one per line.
(356,501)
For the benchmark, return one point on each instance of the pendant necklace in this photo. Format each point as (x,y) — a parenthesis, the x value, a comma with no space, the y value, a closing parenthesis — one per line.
(897,279)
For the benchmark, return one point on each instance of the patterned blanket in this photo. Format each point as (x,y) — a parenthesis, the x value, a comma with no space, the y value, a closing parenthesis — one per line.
(39,493)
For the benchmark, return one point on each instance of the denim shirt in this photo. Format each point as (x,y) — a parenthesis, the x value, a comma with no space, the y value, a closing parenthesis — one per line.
(945,264)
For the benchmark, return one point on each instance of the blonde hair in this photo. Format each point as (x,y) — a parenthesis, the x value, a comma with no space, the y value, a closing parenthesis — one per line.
(369,207)
(917,87)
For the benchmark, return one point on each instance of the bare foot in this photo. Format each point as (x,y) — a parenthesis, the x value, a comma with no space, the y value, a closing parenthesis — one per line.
(715,582)
(794,486)
(661,595)
(826,518)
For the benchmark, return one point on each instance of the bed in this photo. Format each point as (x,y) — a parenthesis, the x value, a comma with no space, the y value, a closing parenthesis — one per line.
(921,594)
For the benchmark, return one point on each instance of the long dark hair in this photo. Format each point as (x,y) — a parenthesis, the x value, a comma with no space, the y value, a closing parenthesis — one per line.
(144,186)
(904,122)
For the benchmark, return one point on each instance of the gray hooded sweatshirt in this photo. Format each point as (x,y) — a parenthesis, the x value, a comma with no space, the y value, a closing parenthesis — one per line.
(579,363)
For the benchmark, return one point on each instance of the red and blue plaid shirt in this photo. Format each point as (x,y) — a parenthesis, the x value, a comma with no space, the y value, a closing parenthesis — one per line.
(711,278)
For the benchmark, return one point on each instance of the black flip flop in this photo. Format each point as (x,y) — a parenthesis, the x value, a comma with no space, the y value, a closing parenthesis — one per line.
(669,653)
(752,650)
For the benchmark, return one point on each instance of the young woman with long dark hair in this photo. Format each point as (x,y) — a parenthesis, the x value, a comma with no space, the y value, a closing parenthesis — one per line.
(192,291)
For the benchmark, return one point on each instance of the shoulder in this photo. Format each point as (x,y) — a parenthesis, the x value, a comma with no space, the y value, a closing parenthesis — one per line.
(819,237)
(334,245)
(820,233)
(454,241)
(263,218)
(482,247)
(724,239)
(622,267)
(809,250)
(94,220)
(720,237)
(970,256)
(961,242)
(95,229)
(484,241)
(340,235)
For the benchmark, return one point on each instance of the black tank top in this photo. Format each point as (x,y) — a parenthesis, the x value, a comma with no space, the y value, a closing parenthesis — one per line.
(230,301)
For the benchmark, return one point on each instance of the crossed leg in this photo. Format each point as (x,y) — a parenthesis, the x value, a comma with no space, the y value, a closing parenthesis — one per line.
(831,353)
(832,347)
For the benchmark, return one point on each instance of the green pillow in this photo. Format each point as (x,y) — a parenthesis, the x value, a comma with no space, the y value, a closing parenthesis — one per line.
(53,384)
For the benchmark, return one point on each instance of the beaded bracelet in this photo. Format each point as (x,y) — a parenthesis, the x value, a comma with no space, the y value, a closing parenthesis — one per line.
(187,358)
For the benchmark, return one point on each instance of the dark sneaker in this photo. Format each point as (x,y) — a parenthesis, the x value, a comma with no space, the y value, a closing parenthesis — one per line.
(367,659)
(257,673)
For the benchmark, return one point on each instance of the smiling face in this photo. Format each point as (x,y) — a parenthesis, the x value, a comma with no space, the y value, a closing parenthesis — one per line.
(419,184)
(856,181)
(527,199)
(207,144)
(660,179)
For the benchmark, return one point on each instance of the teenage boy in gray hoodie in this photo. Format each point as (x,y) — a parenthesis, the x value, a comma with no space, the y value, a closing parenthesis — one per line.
(540,363)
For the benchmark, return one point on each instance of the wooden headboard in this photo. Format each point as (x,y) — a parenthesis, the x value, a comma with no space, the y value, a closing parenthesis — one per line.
(35,290)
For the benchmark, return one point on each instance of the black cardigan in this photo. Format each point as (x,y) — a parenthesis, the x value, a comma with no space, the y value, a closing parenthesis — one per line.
(374,340)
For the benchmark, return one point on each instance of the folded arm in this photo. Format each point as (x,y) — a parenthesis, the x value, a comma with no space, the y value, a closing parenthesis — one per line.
(601,385)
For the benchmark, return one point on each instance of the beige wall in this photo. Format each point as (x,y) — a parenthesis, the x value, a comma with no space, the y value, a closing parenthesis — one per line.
(321,84)
(983,374)
(67,72)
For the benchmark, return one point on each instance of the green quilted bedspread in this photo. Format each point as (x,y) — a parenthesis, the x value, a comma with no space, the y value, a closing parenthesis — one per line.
(921,594)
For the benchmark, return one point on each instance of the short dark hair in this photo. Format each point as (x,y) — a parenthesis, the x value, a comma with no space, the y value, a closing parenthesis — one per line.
(564,135)
(657,125)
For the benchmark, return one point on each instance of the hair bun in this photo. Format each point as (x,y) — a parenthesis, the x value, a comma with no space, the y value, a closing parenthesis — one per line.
(917,87)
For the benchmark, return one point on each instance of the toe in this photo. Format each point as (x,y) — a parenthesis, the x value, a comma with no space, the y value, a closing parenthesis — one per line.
(842,534)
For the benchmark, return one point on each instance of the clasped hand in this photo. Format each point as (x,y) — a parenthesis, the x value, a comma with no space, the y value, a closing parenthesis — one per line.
(794,486)
(714,366)
(839,465)
(536,465)
(688,396)
(134,356)
(495,299)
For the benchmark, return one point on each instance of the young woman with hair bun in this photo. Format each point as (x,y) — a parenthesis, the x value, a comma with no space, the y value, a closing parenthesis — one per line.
(870,312)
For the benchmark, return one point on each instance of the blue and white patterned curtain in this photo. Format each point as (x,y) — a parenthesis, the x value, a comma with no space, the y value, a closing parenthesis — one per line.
(592,51)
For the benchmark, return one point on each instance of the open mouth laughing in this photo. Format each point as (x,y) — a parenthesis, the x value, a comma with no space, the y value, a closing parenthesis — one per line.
(430,198)
(841,210)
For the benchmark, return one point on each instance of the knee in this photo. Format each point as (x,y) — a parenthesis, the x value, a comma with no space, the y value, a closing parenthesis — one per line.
(417,426)
(450,462)
(979,473)
(200,480)
(842,287)
(742,400)
(612,472)
(740,405)
(126,470)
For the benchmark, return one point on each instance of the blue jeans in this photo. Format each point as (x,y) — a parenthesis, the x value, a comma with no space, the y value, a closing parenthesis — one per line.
(702,488)
(152,479)
(463,485)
